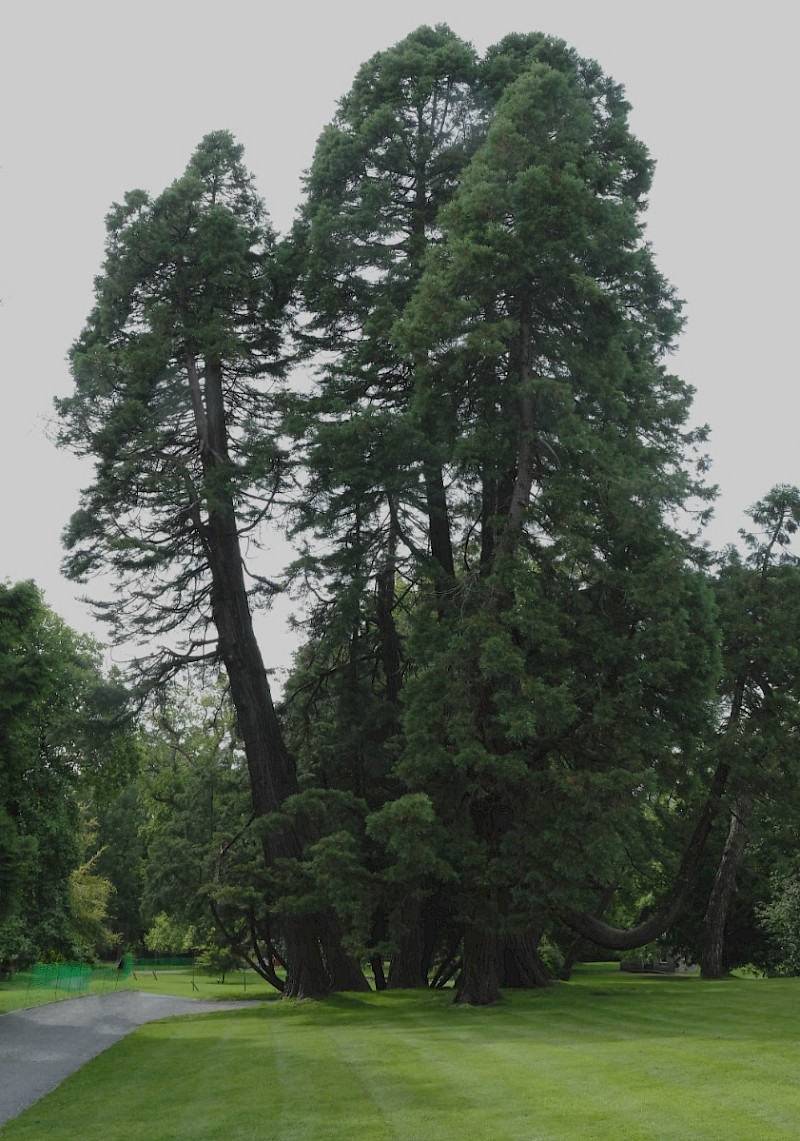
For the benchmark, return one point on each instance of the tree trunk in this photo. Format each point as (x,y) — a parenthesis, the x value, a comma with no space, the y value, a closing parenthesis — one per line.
(376,962)
(406,970)
(724,890)
(344,972)
(439,529)
(479,981)
(385,587)
(306,973)
(448,968)
(315,960)
(521,965)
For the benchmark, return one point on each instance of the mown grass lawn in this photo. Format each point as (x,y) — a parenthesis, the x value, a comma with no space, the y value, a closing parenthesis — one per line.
(608,1057)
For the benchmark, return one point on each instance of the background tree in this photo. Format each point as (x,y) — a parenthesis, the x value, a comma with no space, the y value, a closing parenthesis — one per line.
(778,916)
(65,734)
(203,873)
(120,857)
(757,600)
(89,895)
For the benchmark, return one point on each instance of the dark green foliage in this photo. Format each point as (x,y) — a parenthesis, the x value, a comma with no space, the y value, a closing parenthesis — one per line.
(381,173)
(778,917)
(187,288)
(121,860)
(495,448)
(64,733)
(194,803)
(758,601)
(219,960)
(505,709)
(173,378)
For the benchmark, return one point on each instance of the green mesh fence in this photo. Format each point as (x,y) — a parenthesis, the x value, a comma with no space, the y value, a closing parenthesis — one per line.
(69,978)
(63,980)
(45,982)
(106,978)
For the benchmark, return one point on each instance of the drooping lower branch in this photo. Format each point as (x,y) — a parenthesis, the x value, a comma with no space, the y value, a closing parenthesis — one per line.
(577,944)
(256,961)
(266,963)
(621,939)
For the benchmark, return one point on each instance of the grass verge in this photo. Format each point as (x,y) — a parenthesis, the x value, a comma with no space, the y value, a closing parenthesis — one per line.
(609,1056)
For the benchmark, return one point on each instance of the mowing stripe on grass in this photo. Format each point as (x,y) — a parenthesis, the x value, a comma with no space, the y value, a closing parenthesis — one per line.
(631,1059)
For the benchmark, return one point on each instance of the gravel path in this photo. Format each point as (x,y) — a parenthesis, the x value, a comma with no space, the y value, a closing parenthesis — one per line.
(42,1046)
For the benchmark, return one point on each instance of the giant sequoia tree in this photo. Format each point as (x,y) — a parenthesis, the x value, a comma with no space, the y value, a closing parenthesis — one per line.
(375,493)
(172,399)
(582,641)
(511,653)
(381,173)
(495,411)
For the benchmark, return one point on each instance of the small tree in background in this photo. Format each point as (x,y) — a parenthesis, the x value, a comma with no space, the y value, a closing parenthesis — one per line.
(65,735)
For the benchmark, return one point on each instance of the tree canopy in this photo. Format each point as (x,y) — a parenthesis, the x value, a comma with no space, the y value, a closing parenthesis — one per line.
(450,383)
(65,737)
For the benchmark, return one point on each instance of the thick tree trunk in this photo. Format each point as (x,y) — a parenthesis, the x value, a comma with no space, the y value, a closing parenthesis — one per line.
(315,960)
(306,972)
(724,890)
(479,981)
(439,529)
(344,972)
(521,965)
(406,968)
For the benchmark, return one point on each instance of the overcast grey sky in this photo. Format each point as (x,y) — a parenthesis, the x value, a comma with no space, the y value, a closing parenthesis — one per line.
(98,98)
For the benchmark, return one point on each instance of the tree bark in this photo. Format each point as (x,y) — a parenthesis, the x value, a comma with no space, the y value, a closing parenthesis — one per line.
(521,965)
(439,529)
(344,972)
(385,587)
(724,890)
(406,967)
(479,981)
(316,963)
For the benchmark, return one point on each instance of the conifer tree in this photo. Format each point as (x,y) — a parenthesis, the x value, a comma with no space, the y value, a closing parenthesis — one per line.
(173,398)
(375,496)
(579,658)
(757,598)
(496,420)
